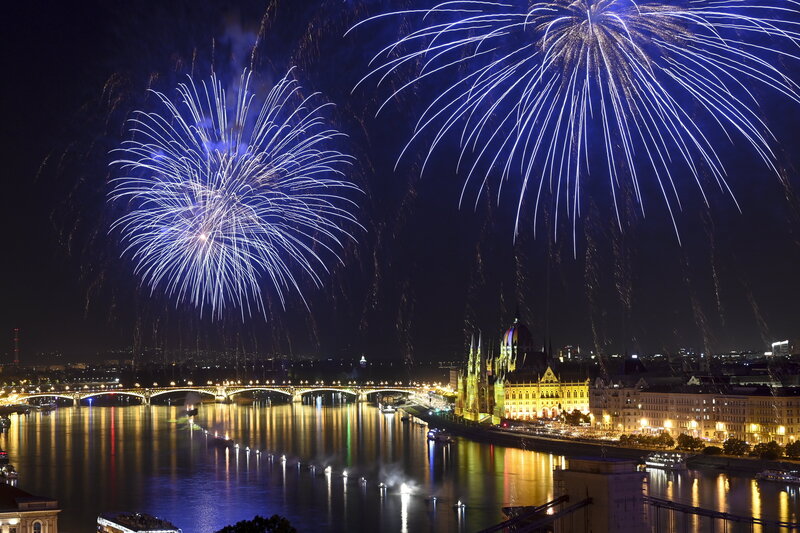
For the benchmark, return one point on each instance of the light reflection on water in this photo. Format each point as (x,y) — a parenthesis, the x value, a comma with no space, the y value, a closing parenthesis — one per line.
(146,459)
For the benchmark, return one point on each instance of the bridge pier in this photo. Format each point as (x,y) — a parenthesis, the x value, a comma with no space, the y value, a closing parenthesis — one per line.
(362,397)
(297,397)
(221,395)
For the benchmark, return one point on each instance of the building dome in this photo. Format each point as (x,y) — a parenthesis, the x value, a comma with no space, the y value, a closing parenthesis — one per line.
(517,336)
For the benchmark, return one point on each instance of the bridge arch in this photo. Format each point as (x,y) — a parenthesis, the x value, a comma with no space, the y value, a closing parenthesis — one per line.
(388,389)
(88,395)
(302,392)
(256,388)
(49,395)
(168,391)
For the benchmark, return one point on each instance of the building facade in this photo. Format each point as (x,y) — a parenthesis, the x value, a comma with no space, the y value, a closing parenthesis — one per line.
(517,384)
(22,512)
(752,414)
(545,396)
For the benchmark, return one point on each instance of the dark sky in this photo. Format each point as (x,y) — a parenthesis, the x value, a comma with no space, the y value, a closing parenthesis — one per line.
(423,273)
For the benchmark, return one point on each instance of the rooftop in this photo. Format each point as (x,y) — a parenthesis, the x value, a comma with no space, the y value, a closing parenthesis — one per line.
(14,499)
(137,522)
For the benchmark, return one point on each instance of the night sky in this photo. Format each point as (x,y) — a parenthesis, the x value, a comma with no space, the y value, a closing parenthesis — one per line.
(423,273)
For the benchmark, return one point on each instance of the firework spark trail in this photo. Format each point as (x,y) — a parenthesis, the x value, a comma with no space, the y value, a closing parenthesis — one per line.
(220,199)
(539,87)
(713,259)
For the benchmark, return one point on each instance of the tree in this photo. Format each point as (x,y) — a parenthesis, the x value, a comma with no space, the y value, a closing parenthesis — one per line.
(665,439)
(259,524)
(575,418)
(712,450)
(734,446)
(768,450)
(793,449)
(687,442)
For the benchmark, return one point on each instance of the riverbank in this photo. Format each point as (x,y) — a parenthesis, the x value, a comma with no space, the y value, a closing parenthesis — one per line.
(573,448)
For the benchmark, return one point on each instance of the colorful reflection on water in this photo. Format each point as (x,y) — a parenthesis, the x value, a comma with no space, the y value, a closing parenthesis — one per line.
(149,459)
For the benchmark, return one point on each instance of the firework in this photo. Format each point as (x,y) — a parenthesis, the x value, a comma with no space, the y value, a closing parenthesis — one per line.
(543,91)
(222,196)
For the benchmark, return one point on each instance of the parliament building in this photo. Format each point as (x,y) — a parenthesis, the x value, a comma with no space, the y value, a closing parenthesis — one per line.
(518,383)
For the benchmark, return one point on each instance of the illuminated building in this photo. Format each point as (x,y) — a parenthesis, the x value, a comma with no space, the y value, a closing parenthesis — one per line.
(21,512)
(780,349)
(753,414)
(517,384)
(528,397)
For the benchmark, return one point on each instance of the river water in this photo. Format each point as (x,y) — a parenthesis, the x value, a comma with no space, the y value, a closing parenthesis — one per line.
(149,459)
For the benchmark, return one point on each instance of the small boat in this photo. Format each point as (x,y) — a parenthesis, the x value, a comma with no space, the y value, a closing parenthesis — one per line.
(9,472)
(47,407)
(5,422)
(388,408)
(190,411)
(791,477)
(221,442)
(440,435)
(3,457)
(666,460)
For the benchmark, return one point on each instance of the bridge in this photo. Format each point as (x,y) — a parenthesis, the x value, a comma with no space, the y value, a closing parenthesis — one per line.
(220,393)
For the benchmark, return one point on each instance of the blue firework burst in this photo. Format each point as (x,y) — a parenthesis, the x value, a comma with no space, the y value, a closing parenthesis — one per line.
(536,90)
(223,197)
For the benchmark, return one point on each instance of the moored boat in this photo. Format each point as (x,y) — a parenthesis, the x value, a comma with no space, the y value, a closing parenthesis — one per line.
(666,461)
(9,472)
(440,435)
(791,477)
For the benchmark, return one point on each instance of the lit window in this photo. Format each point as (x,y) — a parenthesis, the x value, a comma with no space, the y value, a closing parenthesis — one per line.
(37,527)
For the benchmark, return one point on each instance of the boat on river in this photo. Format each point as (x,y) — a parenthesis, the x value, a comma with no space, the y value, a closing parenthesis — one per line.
(222,442)
(440,435)
(47,407)
(666,461)
(791,477)
(9,472)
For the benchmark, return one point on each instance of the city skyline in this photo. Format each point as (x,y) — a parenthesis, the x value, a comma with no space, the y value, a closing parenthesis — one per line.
(400,266)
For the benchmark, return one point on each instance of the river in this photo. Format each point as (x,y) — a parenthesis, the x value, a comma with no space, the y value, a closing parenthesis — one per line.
(149,459)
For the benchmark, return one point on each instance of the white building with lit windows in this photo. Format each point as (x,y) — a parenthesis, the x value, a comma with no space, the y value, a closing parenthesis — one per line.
(713,412)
